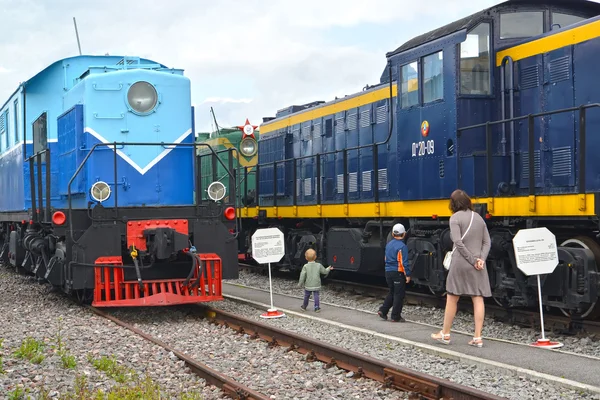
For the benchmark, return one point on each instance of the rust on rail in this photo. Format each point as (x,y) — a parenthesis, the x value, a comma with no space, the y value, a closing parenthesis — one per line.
(229,386)
(423,385)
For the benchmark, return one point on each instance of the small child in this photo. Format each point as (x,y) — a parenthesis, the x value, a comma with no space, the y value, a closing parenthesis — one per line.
(310,278)
(397,274)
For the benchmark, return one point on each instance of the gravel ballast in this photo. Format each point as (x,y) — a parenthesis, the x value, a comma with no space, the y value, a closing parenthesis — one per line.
(273,371)
(588,345)
(28,310)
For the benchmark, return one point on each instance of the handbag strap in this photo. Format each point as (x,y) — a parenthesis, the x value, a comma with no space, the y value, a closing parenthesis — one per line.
(465,234)
(469,227)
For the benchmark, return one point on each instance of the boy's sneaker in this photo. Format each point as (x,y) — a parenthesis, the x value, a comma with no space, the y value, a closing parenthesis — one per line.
(381,315)
(317,309)
(303,308)
(399,320)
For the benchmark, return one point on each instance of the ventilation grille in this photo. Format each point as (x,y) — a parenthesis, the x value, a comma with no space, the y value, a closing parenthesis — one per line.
(306,130)
(365,118)
(339,125)
(317,129)
(2,123)
(530,77)
(307,186)
(353,182)
(381,114)
(442,171)
(340,184)
(560,69)
(525,164)
(366,181)
(562,160)
(351,121)
(382,179)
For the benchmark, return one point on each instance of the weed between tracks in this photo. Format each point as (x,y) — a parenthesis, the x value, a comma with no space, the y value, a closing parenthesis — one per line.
(145,389)
(130,386)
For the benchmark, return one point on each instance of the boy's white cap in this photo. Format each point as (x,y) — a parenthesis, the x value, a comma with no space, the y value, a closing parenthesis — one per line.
(398,229)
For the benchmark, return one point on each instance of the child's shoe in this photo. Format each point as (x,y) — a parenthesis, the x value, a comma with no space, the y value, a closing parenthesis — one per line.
(303,308)
(317,309)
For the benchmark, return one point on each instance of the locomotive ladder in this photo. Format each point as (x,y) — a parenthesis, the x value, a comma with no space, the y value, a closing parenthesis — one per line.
(38,213)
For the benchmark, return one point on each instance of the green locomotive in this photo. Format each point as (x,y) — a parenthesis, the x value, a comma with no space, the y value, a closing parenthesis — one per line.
(238,148)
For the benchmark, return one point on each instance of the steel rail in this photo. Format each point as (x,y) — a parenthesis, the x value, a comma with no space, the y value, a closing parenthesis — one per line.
(229,386)
(391,375)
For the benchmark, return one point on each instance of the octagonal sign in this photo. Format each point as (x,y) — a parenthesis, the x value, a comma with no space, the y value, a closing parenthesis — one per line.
(268,245)
(535,251)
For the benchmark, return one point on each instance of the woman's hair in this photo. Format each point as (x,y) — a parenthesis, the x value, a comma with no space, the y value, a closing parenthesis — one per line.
(460,201)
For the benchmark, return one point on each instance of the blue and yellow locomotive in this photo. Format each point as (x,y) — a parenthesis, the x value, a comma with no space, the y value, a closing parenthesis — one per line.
(503,104)
(98,170)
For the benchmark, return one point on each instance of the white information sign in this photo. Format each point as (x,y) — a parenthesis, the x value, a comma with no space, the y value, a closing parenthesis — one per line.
(268,245)
(535,251)
(536,254)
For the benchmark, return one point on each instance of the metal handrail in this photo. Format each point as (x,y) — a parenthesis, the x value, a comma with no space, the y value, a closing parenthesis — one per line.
(530,117)
(531,143)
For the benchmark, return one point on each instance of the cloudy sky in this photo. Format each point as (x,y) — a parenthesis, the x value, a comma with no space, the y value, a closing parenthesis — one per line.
(245,58)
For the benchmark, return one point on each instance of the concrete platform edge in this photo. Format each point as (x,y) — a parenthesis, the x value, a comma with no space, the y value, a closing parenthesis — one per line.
(438,351)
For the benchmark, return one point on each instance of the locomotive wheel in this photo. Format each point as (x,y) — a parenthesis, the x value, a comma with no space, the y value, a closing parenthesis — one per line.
(588,310)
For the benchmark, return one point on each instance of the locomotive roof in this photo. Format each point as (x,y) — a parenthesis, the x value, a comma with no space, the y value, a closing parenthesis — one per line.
(469,21)
(83,64)
(106,60)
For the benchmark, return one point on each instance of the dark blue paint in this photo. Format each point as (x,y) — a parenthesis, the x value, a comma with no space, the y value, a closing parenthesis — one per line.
(559,79)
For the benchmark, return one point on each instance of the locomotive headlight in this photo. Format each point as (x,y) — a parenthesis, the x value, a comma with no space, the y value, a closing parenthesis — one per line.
(216,191)
(142,97)
(100,191)
(248,147)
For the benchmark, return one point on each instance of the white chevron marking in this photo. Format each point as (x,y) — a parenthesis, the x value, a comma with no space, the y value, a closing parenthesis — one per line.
(130,161)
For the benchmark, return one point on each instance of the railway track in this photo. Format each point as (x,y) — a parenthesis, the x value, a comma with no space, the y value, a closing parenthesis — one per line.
(418,385)
(229,386)
(520,317)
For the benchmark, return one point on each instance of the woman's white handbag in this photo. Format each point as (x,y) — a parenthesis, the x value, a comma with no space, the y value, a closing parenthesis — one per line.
(448,257)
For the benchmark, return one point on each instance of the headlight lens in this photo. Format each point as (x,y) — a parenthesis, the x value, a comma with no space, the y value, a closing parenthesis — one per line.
(216,191)
(248,147)
(142,97)
(100,191)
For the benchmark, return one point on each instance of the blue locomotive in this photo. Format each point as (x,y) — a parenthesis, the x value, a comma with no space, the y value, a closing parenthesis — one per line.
(99,174)
(502,104)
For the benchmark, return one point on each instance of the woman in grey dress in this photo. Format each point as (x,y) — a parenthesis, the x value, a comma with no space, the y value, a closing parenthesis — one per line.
(467,274)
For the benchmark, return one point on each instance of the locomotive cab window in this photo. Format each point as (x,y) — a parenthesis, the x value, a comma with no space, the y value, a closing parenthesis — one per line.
(475,61)
(40,135)
(519,25)
(410,85)
(433,77)
(560,20)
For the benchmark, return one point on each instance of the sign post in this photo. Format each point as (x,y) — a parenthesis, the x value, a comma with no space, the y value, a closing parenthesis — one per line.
(268,247)
(536,253)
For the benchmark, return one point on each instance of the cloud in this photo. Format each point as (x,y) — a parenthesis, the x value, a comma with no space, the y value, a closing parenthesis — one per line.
(224,100)
(4,70)
(246,58)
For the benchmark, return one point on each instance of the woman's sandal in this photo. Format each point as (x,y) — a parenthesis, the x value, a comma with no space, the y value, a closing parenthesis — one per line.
(441,337)
(477,342)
